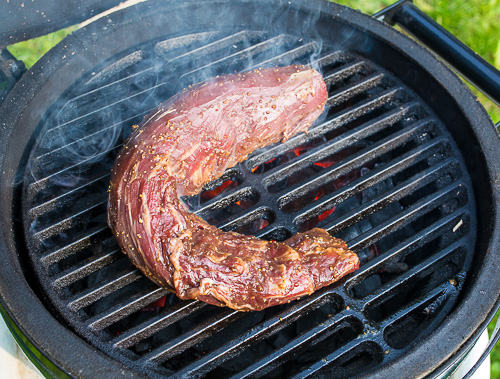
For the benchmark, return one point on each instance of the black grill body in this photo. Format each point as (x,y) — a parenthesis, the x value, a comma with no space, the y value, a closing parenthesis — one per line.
(402,167)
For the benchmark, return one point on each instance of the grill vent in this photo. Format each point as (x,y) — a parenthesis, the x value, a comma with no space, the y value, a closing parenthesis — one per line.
(379,171)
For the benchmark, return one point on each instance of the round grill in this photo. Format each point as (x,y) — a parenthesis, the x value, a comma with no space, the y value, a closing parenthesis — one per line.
(380,170)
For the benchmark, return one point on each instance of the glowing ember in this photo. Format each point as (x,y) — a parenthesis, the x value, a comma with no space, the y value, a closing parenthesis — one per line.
(160,303)
(253,227)
(207,195)
(319,194)
(325,214)
(324,164)
(300,150)
(264,166)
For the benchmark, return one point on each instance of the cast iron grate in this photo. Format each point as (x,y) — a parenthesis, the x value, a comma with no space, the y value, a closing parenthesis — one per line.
(379,170)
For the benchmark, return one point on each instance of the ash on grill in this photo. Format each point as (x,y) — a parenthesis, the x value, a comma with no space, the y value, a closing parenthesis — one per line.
(377,171)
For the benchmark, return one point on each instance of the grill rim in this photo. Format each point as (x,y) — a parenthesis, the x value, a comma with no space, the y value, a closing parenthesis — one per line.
(39,329)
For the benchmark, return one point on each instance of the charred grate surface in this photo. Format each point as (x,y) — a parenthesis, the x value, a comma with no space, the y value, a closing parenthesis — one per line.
(379,170)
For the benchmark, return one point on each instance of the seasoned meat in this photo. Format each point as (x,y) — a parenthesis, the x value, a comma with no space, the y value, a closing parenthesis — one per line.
(192,139)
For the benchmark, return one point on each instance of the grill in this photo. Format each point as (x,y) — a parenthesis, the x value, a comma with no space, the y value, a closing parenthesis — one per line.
(384,169)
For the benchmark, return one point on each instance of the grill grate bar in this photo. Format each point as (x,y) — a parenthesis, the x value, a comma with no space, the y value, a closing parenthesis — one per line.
(91,295)
(123,81)
(341,119)
(363,157)
(125,308)
(66,197)
(214,47)
(72,275)
(150,327)
(42,183)
(249,52)
(111,87)
(361,86)
(195,335)
(337,144)
(251,214)
(405,217)
(407,246)
(90,237)
(373,126)
(336,56)
(75,219)
(260,331)
(173,47)
(77,130)
(345,71)
(313,370)
(225,198)
(293,348)
(346,165)
(287,57)
(403,189)
(136,97)
(85,104)
(94,142)
(418,270)
(439,293)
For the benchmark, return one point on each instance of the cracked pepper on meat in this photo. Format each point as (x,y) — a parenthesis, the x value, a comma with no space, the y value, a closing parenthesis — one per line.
(192,139)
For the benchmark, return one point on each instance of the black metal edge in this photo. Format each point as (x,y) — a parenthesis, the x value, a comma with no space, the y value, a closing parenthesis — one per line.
(20,21)
(11,71)
(43,334)
(459,338)
(471,65)
(29,311)
(388,12)
(44,365)
(494,338)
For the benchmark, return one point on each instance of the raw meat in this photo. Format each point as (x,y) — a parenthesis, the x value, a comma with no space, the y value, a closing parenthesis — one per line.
(192,139)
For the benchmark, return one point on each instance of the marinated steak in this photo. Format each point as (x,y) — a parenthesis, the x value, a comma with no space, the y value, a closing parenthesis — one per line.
(192,139)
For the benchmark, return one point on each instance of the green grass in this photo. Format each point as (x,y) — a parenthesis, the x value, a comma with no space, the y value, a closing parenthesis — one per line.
(495,354)
(32,50)
(476,23)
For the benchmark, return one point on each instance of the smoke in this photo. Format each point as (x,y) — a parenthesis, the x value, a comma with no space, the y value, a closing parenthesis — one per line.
(81,134)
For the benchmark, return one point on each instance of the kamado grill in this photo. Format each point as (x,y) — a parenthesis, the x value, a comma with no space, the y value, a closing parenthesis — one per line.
(403,166)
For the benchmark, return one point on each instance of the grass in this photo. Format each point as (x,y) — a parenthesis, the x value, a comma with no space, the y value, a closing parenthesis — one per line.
(476,23)
(32,50)
(495,354)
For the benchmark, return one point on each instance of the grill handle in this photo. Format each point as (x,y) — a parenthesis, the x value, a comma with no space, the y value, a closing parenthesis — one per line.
(478,71)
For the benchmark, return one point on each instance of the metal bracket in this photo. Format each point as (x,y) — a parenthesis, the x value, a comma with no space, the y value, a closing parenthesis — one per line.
(387,14)
(473,67)
(11,71)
